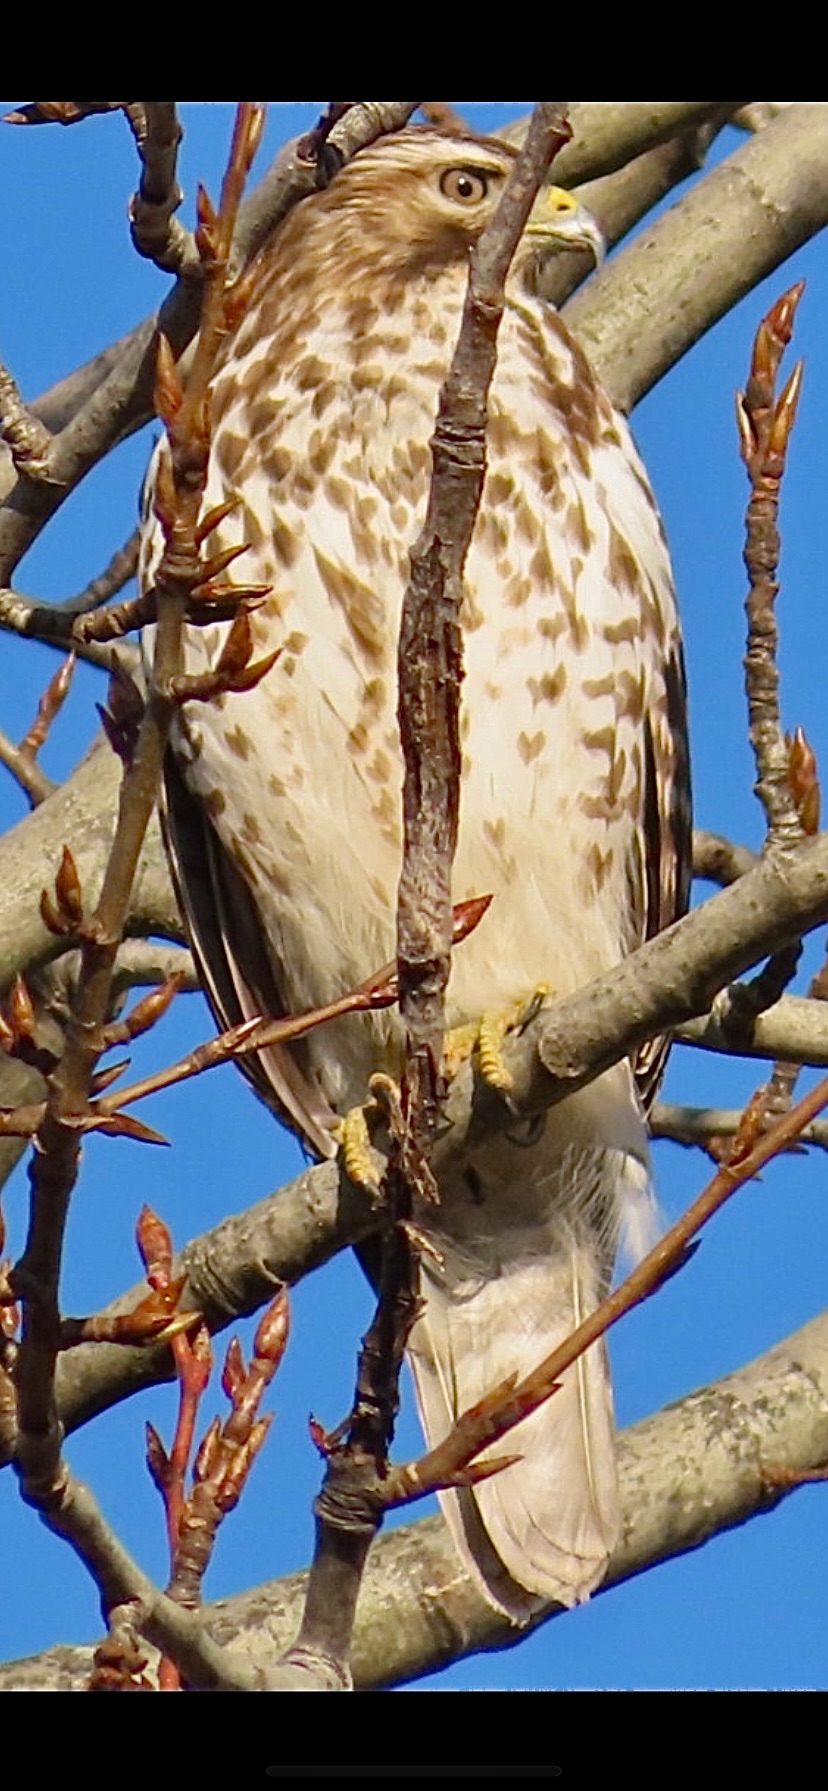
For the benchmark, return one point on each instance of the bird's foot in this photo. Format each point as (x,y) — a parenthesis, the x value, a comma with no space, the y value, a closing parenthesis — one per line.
(359,1159)
(362,1163)
(486,1036)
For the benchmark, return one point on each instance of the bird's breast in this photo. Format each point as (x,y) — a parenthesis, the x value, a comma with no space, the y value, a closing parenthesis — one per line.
(567,587)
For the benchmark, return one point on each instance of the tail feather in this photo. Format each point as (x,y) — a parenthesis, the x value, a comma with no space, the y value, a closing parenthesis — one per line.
(543,1529)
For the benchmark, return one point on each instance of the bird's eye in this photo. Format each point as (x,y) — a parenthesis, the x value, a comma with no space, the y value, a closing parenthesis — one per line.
(464,186)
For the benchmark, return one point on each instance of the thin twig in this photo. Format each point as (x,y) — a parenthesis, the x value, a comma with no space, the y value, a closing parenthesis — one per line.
(53,625)
(54,1168)
(117,573)
(705,1126)
(765,425)
(22,759)
(34,782)
(63,111)
(719,860)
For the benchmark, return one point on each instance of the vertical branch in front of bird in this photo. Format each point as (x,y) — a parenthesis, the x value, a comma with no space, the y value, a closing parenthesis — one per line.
(350,1505)
(765,424)
(786,781)
(44,1477)
(430,673)
(430,648)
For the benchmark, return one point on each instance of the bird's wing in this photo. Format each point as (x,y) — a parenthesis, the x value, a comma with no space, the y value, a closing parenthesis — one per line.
(236,972)
(666,837)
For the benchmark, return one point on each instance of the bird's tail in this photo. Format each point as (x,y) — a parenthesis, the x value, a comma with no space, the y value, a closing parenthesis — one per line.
(544,1528)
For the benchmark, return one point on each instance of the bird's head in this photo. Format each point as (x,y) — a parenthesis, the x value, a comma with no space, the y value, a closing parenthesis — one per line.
(427,196)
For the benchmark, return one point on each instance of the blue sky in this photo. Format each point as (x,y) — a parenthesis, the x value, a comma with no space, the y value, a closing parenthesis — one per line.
(748,1609)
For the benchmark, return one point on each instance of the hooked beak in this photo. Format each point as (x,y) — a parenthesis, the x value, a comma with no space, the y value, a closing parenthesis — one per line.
(559,220)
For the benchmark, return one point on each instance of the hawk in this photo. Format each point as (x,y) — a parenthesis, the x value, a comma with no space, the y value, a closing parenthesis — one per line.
(284,804)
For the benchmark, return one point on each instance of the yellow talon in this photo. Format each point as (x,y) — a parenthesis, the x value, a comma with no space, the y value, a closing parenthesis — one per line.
(358,1157)
(458,1046)
(491,1031)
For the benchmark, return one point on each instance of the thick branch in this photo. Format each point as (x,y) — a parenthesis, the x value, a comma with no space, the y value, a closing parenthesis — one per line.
(607,134)
(81,811)
(619,201)
(643,311)
(695,1469)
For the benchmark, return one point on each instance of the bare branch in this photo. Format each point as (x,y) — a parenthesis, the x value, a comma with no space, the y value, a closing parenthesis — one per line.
(156,232)
(607,134)
(693,1470)
(643,311)
(704,1126)
(53,624)
(28,439)
(794,1029)
(765,424)
(32,780)
(120,569)
(718,860)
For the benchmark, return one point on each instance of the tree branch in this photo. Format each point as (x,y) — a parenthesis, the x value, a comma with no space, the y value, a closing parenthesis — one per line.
(701,1466)
(643,311)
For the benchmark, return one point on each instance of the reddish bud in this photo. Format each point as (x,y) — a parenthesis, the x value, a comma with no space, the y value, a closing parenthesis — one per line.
(219,562)
(151,1007)
(155,1245)
(168,393)
(52,919)
(164,495)
(251,675)
(255,127)
(803,781)
(273,1329)
(234,1372)
(209,1452)
(121,1125)
(318,1436)
(158,1461)
(68,889)
(21,1010)
(784,418)
(104,1078)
